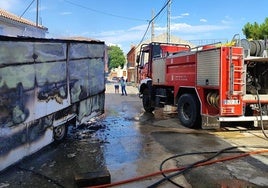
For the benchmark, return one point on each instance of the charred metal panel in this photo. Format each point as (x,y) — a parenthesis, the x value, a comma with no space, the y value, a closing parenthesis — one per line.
(35,86)
(86,72)
(82,50)
(89,107)
(43,82)
(15,52)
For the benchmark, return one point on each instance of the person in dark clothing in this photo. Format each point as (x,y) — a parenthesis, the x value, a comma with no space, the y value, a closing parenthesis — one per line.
(123,86)
(116,87)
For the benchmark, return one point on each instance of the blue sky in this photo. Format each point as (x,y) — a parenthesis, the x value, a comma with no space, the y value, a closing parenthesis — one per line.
(123,22)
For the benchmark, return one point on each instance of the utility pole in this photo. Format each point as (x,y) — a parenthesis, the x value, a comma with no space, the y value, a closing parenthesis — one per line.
(152,28)
(168,21)
(37,7)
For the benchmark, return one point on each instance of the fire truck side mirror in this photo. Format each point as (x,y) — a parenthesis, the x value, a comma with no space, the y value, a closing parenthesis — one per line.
(138,59)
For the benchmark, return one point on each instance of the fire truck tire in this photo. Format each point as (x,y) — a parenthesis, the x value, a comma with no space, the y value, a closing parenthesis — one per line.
(189,111)
(146,101)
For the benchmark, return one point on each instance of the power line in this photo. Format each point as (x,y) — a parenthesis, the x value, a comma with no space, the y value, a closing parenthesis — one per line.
(105,13)
(167,3)
(123,17)
(27,8)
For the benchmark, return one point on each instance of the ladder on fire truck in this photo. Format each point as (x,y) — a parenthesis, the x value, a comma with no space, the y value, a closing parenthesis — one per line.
(237,83)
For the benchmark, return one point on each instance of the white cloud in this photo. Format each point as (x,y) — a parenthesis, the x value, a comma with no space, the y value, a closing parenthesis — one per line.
(119,36)
(18,6)
(40,8)
(227,20)
(124,38)
(65,13)
(139,28)
(176,17)
(112,44)
(203,20)
(180,16)
(185,14)
(109,33)
(133,35)
(186,28)
(9,5)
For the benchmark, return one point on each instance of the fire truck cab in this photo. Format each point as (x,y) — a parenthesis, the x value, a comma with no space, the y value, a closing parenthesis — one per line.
(208,84)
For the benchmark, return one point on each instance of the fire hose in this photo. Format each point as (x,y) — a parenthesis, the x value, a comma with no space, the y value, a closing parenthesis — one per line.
(181,170)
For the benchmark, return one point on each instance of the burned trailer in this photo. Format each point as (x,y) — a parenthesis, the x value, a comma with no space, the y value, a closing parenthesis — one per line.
(46,85)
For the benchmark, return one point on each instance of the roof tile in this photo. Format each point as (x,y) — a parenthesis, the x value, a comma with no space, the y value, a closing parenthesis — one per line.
(8,15)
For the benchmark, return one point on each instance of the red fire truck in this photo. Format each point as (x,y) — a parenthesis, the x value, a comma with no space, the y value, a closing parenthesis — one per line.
(208,84)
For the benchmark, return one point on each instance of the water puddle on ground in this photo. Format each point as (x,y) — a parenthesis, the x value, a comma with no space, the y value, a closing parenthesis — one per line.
(118,135)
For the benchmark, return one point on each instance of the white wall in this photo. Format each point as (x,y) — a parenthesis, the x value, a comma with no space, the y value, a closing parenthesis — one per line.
(10,29)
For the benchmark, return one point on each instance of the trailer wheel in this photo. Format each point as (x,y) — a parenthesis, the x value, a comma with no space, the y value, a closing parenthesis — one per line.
(189,111)
(59,132)
(146,101)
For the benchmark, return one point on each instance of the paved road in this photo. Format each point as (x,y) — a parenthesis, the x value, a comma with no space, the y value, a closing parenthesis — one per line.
(131,143)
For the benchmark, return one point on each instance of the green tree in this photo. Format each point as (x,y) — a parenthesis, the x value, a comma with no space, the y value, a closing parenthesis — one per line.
(116,57)
(256,31)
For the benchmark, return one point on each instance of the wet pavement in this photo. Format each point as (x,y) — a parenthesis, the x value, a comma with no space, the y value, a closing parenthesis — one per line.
(131,144)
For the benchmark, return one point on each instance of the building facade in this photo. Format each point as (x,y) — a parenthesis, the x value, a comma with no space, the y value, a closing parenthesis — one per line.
(131,65)
(13,25)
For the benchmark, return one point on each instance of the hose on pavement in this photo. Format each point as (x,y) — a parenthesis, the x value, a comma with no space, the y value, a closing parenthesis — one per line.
(180,170)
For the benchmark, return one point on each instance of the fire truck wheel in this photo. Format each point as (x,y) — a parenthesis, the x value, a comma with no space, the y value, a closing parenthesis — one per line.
(146,101)
(59,132)
(188,111)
